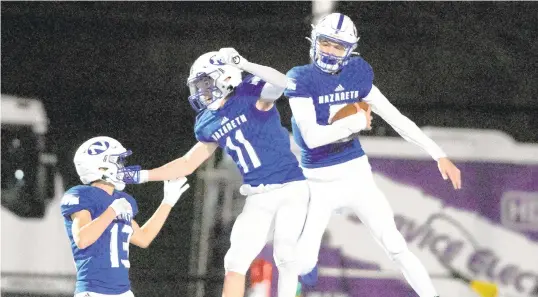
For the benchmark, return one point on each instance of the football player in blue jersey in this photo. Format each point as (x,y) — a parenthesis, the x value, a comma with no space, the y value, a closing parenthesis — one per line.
(332,158)
(99,218)
(239,116)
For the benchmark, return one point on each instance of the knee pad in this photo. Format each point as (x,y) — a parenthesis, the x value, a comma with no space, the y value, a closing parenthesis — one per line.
(393,242)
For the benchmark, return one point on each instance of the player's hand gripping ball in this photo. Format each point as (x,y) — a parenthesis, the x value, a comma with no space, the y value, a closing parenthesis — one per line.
(350,109)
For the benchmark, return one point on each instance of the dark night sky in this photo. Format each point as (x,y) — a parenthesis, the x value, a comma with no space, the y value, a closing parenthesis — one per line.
(119,69)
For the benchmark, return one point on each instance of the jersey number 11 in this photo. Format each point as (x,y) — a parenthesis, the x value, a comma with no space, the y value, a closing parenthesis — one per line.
(239,151)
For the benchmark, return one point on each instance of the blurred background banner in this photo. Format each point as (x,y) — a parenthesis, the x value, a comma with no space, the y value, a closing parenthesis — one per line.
(487,231)
(75,70)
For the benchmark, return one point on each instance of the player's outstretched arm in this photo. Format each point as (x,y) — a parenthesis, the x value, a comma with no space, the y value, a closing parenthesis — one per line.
(412,133)
(180,167)
(276,81)
(86,231)
(316,135)
(143,236)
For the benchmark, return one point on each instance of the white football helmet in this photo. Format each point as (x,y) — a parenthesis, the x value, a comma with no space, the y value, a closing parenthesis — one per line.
(103,158)
(336,28)
(210,81)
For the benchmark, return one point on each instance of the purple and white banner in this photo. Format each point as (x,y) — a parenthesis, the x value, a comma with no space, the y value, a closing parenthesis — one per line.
(486,231)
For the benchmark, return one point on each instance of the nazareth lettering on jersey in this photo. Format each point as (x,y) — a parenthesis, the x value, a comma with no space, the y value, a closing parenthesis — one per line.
(229,126)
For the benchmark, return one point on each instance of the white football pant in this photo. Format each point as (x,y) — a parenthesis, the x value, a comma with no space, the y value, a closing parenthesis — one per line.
(351,185)
(278,210)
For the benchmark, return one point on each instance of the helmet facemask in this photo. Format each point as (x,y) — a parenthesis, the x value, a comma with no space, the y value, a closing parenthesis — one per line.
(124,174)
(207,90)
(329,62)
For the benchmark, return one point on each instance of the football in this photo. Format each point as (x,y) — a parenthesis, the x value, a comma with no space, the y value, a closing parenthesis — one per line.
(349,110)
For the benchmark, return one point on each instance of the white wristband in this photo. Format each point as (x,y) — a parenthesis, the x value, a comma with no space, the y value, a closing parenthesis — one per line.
(144,176)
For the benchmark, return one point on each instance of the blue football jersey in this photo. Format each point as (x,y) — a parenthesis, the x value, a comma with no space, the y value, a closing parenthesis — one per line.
(255,139)
(329,93)
(103,267)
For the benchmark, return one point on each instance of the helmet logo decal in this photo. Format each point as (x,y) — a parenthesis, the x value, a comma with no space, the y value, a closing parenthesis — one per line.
(216,61)
(98,147)
(236,59)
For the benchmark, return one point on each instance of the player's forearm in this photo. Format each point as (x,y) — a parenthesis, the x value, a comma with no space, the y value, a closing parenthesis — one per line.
(267,74)
(154,225)
(403,125)
(412,133)
(318,135)
(183,166)
(173,170)
(90,232)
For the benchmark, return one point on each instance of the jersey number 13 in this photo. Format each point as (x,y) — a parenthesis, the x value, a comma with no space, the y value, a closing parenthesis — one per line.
(115,235)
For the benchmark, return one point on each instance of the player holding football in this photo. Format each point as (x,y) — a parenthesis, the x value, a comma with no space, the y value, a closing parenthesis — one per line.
(240,117)
(334,161)
(99,218)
